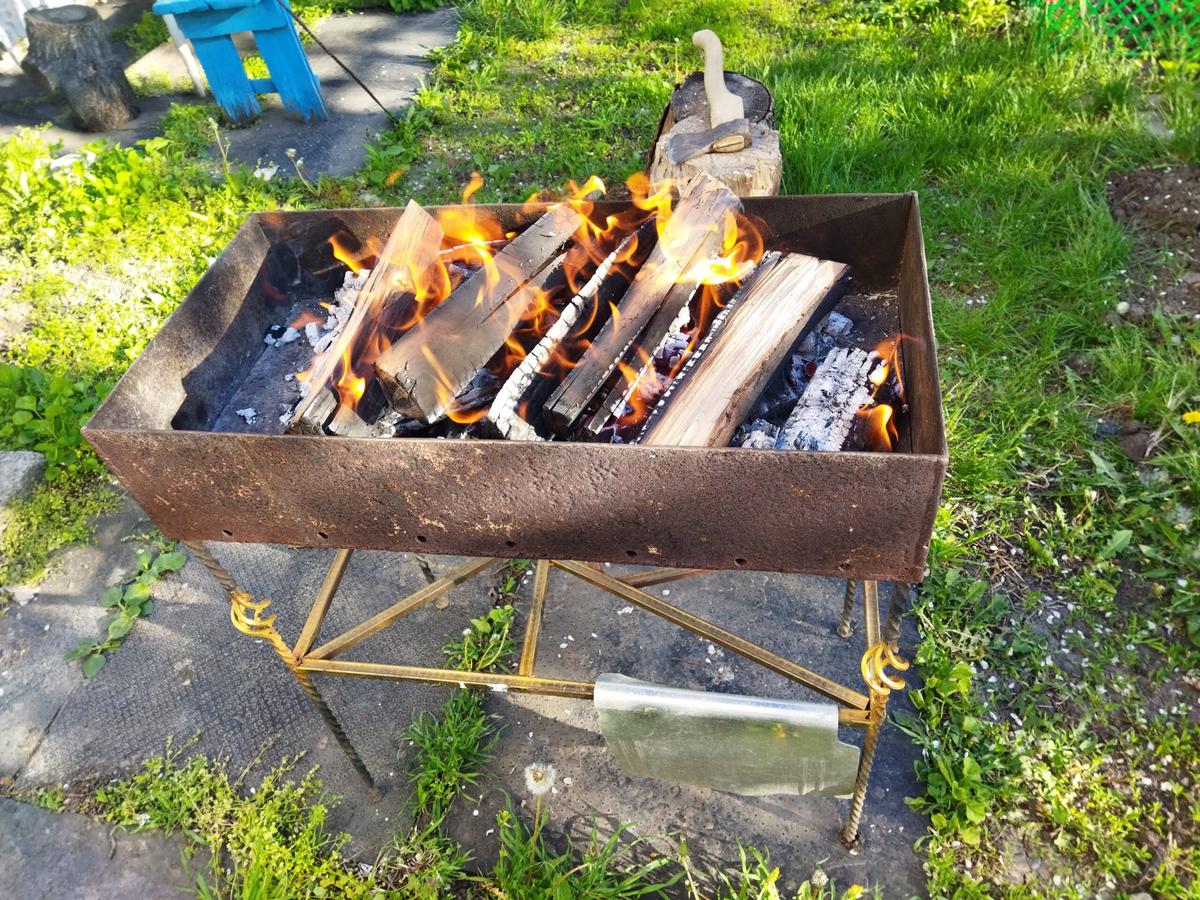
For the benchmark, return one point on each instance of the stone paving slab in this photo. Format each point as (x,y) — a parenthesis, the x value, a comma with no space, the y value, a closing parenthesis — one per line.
(57,855)
(35,681)
(185,671)
(387,51)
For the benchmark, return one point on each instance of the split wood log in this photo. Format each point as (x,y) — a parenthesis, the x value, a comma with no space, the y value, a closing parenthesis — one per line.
(768,261)
(693,234)
(69,52)
(520,386)
(709,404)
(429,365)
(404,262)
(824,415)
(670,319)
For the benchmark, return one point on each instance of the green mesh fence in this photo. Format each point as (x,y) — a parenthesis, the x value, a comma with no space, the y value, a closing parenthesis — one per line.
(1162,28)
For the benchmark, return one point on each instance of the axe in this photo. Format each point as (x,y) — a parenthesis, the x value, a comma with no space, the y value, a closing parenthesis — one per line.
(729,130)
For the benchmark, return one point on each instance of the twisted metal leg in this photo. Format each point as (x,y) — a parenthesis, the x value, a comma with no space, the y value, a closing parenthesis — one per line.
(215,569)
(339,733)
(896,609)
(248,617)
(845,628)
(880,684)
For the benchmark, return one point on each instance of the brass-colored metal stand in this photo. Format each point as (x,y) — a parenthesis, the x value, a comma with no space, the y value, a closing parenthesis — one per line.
(857,709)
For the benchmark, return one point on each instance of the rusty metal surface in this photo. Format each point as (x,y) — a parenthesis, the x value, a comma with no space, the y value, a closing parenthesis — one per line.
(861,515)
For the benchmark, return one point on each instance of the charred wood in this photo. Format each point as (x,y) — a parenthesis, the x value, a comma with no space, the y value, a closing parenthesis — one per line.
(410,252)
(432,363)
(693,233)
(825,413)
(659,338)
(522,386)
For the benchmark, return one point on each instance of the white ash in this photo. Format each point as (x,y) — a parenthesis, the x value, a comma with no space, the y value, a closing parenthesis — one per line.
(780,396)
(280,335)
(824,415)
(758,435)
(249,414)
(834,325)
(391,424)
(668,353)
(312,331)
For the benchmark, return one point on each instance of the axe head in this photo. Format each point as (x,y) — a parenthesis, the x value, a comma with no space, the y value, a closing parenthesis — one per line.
(728,137)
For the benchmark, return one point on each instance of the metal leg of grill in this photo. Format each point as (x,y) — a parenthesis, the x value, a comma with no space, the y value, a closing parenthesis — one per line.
(248,617)
(877,713)
(896,609)
(875,663)
(339,734)
(215,569)
(845,628)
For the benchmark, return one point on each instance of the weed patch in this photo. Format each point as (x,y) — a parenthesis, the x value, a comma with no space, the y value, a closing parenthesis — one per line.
(129,601)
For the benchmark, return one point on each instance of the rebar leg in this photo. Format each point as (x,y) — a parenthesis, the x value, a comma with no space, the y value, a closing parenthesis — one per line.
(845,628)
(248,617)
(878,713)
(880,684)
(215,569)
(896,610)
(339,733)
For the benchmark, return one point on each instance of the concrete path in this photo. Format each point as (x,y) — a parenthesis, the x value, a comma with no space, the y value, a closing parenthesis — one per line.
(388,52)
(185,670)
(57,855)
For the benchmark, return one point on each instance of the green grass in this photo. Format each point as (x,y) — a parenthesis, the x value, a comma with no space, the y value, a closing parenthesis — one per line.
(1042,741)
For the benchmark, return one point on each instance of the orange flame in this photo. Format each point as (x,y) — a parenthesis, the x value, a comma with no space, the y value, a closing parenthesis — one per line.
(354,260)
(306,317)
(879,428)
(344,254)
(473,239)
(889,349)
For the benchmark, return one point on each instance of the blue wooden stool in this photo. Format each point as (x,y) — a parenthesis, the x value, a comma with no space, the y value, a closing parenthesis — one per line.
(210,24)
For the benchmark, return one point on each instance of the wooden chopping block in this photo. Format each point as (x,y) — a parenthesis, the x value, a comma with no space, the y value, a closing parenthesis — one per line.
(752,172)
(707,124)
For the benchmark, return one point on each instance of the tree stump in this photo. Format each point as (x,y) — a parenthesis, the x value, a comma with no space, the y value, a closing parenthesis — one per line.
(69,53)
(754,171)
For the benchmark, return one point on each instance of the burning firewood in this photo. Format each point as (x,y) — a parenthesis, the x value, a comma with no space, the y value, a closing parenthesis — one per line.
(411,250)
(713,395)
(824,415)
(429,365)
(662,330)
(516,392)
(694,233)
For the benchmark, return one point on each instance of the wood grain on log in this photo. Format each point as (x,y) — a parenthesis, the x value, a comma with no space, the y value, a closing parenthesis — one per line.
(754,171)
(69,52)
(410,252)
(693,233)
(429,365)
(709,404)
(824,414)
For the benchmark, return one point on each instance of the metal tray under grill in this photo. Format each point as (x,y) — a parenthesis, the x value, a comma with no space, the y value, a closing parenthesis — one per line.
(862,515)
